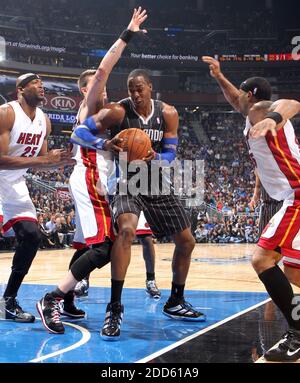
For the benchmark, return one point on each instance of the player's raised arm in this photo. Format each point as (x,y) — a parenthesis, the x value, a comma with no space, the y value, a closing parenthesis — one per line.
(279,112)
(111,58)
(231,93)
(286,108)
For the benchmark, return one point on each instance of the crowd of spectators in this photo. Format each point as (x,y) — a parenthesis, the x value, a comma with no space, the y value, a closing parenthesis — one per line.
(229,178)
(235,229)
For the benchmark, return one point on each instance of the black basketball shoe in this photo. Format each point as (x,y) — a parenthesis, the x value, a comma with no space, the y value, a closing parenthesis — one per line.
(152,289)
(13,311)
(68,308)
(182,310)
(287,349)
(112,322)
(49,310)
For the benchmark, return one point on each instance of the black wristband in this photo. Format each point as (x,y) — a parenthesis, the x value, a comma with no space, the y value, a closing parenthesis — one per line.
(126,35)
(277,117)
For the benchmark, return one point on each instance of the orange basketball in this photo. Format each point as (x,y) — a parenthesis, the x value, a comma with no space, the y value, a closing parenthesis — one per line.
(135,142)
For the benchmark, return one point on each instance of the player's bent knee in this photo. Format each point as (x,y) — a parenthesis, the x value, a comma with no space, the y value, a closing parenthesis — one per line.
(263,260)
(93,258)
(99,260)
(34,236)
(99,255)
(256,262)
(28,233)
(185,241)
(192,241)
(127,234)
(190,244)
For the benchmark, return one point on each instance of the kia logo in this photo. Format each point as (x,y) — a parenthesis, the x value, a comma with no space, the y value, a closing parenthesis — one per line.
(63,103)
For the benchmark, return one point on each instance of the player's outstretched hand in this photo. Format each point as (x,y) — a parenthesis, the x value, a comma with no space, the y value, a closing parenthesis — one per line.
(263,127)
(138,17)
(214,66)
(59,157)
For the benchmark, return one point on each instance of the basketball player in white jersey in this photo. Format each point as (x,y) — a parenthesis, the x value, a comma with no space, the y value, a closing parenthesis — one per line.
(275,151)
(24,129)
(89,188)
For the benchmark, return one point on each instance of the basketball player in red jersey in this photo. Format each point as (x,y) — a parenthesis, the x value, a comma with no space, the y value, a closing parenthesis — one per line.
(24,130)
(94,166)
(164,213)
(273,145)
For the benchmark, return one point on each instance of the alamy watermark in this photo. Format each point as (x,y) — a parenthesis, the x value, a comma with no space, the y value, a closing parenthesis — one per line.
(296,50)
(296,309)
(183,178)
(2,48)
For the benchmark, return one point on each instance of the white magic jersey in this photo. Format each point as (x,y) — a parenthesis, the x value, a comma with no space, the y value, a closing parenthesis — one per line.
(277,160)
(26,139)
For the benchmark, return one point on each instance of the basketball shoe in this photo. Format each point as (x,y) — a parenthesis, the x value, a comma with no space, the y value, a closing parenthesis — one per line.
(287,349)
(82,288)
(182,310)
(112,322)
(68,308)
(13,311)
(152,289)
(49,310)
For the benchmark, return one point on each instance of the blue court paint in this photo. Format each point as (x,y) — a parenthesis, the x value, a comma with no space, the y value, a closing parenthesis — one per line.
(145,329)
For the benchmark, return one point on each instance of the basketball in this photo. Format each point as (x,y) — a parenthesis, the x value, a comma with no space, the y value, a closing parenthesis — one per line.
(135,142)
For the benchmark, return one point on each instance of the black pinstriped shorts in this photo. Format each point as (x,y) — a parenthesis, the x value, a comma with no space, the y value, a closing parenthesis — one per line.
(164,214)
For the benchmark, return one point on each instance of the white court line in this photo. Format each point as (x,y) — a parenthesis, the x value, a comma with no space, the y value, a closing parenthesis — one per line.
(86,335)
(184,340)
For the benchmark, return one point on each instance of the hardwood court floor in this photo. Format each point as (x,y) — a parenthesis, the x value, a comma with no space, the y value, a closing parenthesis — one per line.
(213,267)
(221,268)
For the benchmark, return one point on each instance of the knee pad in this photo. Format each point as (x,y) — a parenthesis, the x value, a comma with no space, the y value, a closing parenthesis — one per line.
(27,232)
(99,255)
(28,236)
(96,257)
(78,253)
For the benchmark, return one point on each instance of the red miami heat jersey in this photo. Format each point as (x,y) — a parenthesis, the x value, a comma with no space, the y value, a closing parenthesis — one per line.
(26,138)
